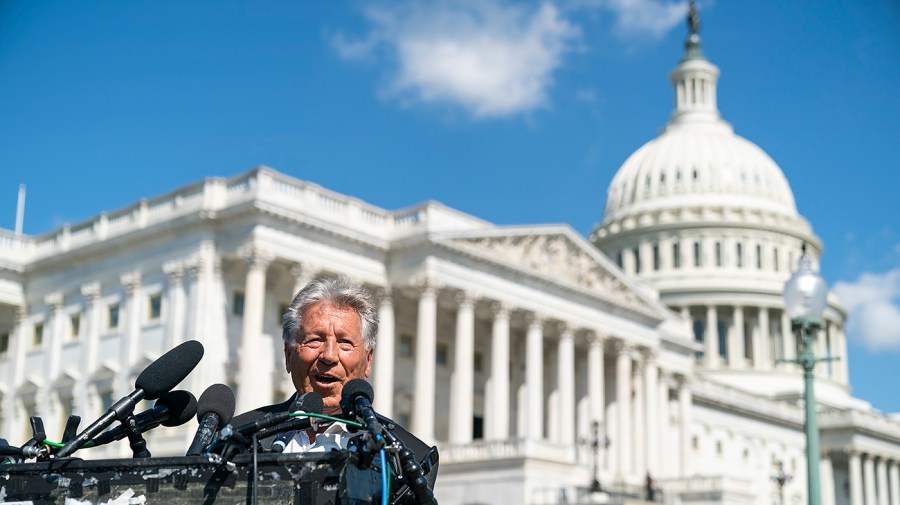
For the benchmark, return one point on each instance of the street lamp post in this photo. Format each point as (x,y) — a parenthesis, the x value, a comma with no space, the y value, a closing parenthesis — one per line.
(598,441)
(781,479)
(805,297)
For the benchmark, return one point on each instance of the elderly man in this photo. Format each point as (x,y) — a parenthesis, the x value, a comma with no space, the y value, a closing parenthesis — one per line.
(329,336)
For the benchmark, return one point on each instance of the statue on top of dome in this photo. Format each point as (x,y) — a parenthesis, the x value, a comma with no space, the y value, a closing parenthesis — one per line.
(693,18)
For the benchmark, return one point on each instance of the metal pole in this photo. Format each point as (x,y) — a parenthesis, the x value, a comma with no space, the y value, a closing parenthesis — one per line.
(808,362)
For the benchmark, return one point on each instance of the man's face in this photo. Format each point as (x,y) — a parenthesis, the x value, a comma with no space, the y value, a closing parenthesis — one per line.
(327,352)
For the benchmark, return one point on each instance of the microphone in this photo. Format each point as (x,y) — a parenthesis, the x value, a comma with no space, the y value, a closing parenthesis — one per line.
(216,409)
(309,402)
(356,401)
(157,379)
(172,409)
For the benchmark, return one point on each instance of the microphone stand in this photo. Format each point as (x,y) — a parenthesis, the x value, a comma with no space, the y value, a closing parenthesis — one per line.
(135,439)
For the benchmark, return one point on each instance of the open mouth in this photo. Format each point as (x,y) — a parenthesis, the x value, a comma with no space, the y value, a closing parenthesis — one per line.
(326,380)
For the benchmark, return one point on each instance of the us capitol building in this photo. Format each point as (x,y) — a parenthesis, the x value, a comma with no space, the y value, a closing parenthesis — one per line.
(538,360)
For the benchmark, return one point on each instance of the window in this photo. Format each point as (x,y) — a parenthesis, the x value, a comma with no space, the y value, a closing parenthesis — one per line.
(38,334)
(74,326)
(718,448)
(699,327)
(441,353)
(637,260)
(723,339)
(112,316)
(775,259)
(154,307)
(237,304)
(478,361)
(718,254)
(405,346)
(695,442)
(4,343)
(282,310)
(619,259)
(656,259)
(676,255)
(758,257)
(698,255)
(739,255)
(477,427)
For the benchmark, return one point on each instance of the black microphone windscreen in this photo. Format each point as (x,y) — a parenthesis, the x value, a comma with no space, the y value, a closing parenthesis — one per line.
(218,399)
(182,407)
(311,402)
(356,388)
(171,368)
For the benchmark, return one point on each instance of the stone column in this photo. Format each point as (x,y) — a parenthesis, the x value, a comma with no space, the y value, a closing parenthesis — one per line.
(685,402)
(711,338)
(130,337)
(384,354)
(628,261)
(894,480)
(843,362)
(12,422)
(90,346)
(662,449)
(762,349)
(869,478)
(596,384)
(638,418)
(303,274)
(462,387)
(856,478)
(623,401)
(651,427)
(254,374)
(426,344)
(789,350)
(826,472)
(882,480)
(498,408)
(53,338)
(566,379)
(176,303)
(534,376)
(736,339)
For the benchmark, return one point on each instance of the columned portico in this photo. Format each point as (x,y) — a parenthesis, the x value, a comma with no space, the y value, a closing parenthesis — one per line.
(855,469)
(426,341)
(711,338)
(498,408)
(90,343)
(175,328)
(736,339)
(651,389)
(684,407)
(462,384)
(566,381)
(534,376)
(882,478)
(384,354)
(623,402)
(639,419)
(254,374)
(869,478)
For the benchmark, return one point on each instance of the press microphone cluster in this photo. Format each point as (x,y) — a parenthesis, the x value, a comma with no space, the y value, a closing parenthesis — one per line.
(157,379)
(310,403)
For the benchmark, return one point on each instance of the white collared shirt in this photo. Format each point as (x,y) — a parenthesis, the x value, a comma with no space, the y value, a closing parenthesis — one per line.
(334,438)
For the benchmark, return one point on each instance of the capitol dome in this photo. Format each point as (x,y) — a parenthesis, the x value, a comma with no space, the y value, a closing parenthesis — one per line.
(708,220)
(698,160)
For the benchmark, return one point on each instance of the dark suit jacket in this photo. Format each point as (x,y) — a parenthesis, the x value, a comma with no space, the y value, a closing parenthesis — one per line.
(426,456)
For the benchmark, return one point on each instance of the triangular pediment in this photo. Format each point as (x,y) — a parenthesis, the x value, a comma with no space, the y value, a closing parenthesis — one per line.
(559,254)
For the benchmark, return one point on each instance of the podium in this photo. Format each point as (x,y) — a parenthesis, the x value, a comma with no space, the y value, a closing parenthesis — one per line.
(308,479)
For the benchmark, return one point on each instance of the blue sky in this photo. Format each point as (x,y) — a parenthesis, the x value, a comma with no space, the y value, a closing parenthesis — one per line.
(513,112)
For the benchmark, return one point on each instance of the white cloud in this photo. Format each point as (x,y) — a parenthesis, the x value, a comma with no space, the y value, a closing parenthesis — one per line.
(492,58)
(639,18)
(873,303)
